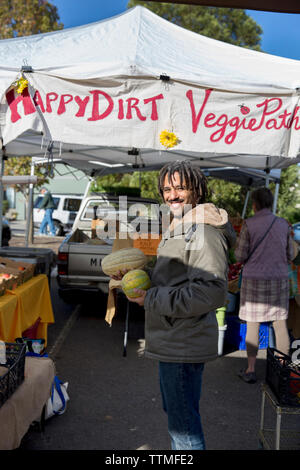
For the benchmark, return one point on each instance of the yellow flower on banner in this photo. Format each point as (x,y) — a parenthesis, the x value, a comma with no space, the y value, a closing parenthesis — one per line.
(21,84)
(168,139)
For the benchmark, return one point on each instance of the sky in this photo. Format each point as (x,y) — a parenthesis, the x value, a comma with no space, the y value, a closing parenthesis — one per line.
(280,30)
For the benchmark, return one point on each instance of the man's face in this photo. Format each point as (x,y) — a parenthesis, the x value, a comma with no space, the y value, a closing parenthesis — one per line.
(176,195)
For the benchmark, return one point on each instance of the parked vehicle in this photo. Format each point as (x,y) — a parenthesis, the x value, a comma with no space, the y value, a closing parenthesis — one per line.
(79,255)
(296,229)
(67,206)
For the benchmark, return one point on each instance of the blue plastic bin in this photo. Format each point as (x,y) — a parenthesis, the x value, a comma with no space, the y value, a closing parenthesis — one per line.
(237,329)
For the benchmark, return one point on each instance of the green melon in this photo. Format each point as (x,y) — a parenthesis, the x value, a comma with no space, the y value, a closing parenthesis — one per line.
(135,279)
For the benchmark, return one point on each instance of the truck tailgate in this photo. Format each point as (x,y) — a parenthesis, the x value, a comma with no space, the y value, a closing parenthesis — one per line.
(85,260)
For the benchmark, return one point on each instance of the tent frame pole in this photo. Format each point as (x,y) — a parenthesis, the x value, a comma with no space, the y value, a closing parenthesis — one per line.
(245,204)
(276,193)
(29,222)
(1,194)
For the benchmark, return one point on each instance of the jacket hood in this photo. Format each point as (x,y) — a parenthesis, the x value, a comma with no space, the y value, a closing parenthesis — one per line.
(208,214)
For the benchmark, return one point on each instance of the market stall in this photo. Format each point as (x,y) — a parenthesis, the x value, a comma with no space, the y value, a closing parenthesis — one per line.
(83,97)
(163,93)
(105,105)
(27,402)
(25,377)
(25,302)
(25,306)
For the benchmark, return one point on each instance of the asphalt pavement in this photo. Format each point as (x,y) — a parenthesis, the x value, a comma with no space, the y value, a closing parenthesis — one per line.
(115,402)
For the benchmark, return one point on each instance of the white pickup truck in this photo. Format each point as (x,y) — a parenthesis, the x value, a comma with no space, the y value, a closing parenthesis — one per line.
(64,213)
(81,252)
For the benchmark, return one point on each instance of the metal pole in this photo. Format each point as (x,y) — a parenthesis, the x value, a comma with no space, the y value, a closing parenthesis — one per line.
(29,222)
(245,204)
(126,329)
(88,187)
(277,185)
(1,195)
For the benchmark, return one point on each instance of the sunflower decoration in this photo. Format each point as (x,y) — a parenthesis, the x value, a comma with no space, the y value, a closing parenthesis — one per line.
(168,139)
(21,84)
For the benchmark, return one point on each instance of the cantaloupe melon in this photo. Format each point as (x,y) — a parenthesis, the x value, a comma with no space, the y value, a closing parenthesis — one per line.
(135,279)
(124,259)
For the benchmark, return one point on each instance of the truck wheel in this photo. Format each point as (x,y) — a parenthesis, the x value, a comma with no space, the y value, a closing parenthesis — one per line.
(59,231)
(68,296)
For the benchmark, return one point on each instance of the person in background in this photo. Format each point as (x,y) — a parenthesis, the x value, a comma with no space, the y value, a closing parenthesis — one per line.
(264,293)
(189,281)
(48,205)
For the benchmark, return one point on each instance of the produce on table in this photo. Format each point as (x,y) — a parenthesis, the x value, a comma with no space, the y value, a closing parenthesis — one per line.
(122,260)
(234,271)
(135,279)
(6,276)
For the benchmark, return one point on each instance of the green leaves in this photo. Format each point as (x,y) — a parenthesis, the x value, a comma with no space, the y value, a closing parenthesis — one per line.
(22,166)
(26,17)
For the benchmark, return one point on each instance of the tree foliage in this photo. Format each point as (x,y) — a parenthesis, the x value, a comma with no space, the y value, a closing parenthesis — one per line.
(289,195)
(224,24)
(21,166)
(226,195)
(26,17)
(147,182)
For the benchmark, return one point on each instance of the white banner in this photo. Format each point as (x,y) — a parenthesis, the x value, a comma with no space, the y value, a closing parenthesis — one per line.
(134,112)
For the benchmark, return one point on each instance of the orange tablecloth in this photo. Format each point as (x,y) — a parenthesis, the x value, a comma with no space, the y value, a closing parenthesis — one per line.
(20,308)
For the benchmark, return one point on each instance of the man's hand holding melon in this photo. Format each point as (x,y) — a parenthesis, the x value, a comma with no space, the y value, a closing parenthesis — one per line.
(126,265)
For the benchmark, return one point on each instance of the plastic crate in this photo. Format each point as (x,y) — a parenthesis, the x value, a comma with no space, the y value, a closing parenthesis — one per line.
(283,377)
(14,375)
(42,258)
(236,333)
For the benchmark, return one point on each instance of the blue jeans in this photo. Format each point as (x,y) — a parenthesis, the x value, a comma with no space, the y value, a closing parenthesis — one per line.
(47,220)
(180,386)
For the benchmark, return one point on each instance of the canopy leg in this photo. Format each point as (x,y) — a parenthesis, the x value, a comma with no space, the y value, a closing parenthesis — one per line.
(1,195)
(276,197)
(126,330)
(29,222)
(245,204)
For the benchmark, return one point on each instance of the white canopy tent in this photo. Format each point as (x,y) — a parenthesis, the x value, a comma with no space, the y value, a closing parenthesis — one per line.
(100,95)
(97,92)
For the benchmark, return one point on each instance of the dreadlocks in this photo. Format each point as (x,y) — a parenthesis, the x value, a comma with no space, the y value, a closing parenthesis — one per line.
(193,177)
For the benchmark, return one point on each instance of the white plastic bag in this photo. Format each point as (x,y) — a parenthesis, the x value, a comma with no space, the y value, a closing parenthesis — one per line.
(57,403)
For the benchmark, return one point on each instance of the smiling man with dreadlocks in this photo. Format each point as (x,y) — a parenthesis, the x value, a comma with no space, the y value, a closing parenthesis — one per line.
(189,281)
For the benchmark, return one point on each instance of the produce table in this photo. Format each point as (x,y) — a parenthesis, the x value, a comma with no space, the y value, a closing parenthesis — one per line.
(21,308)
(26,404)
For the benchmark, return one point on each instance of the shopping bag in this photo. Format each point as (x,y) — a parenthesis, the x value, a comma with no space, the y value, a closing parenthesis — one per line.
(57,403)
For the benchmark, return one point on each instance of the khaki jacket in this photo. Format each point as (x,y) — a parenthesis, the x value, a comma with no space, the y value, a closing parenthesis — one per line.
(189,281)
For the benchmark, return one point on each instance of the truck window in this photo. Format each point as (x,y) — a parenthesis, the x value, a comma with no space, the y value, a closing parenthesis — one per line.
(71,204)
(104,209)
(145,210)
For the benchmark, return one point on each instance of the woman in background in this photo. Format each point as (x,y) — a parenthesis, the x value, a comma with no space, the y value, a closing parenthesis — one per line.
(265,247)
